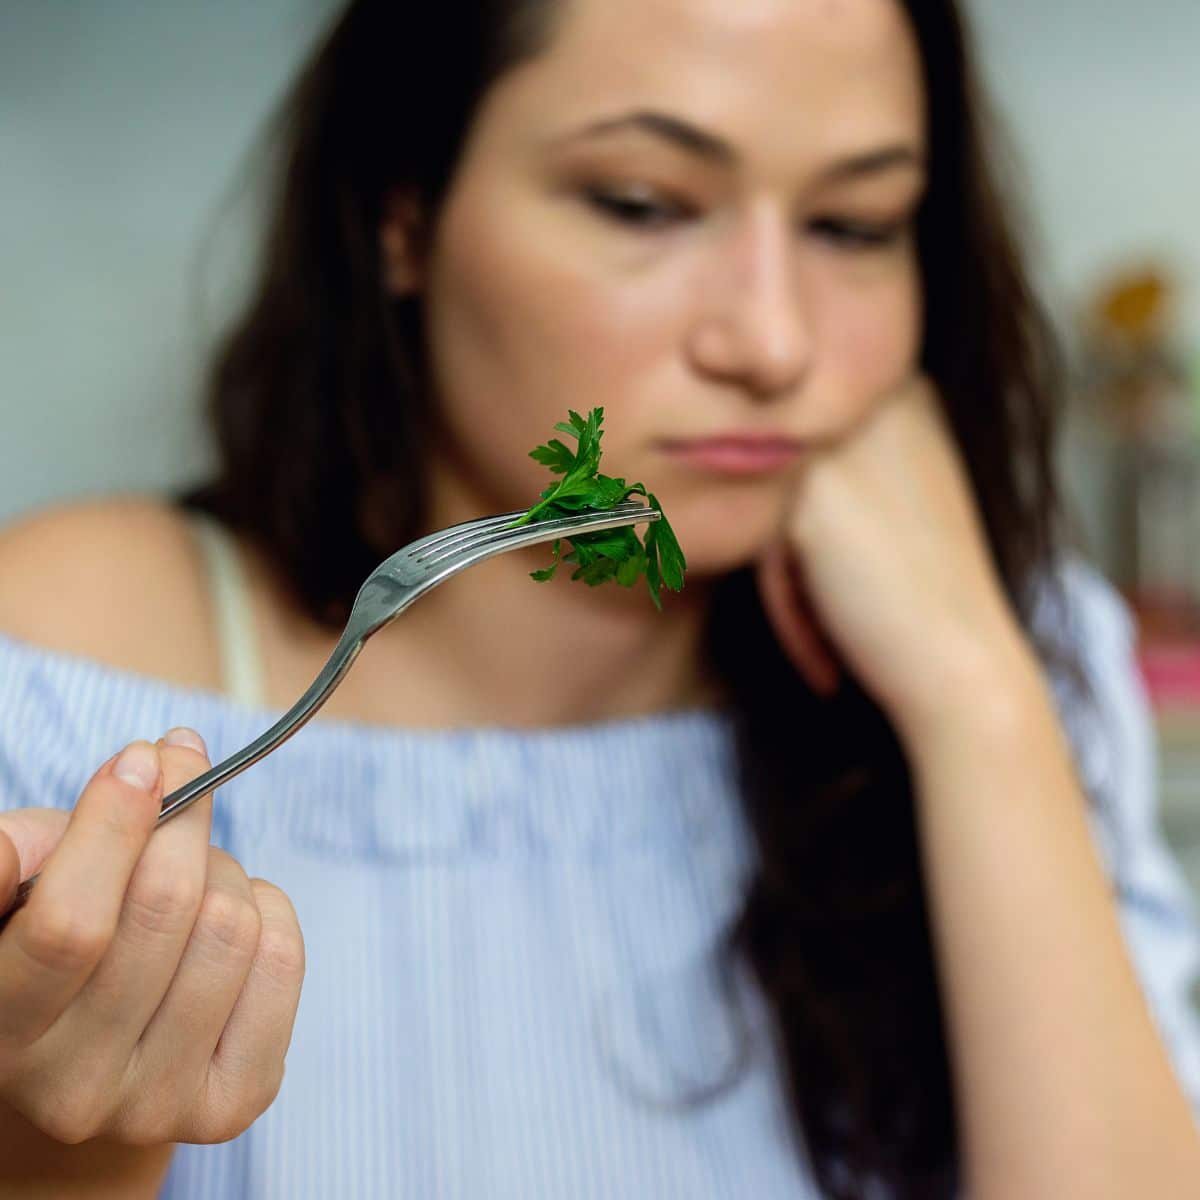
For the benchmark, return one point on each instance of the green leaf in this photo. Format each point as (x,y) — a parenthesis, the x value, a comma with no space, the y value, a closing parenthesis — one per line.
(608,492)
(607,554)
(544,576)
(670,553)
(575,427)
(613,543)
(583,554)
(631,569)
(654,580)
(555,456)
(596,573)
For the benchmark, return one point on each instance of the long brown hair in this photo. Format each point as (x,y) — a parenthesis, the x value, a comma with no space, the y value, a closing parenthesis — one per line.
(320,401)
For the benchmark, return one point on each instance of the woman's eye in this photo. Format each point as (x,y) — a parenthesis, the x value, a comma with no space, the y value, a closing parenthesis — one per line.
(859,235)
(635,209)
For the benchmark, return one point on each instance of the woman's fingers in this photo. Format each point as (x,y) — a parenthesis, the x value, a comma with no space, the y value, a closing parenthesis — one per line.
(194,1034)
(27,835)
(780,588)
(33,834)
(149,988)
(53,944)
(208,980)
(10,871)
(211,1060)
(249,1058)
(160,907)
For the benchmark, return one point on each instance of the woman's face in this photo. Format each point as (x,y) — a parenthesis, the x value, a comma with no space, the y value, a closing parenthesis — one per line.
(699,215)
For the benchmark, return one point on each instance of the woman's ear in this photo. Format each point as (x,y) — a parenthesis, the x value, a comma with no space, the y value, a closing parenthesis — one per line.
(400,253)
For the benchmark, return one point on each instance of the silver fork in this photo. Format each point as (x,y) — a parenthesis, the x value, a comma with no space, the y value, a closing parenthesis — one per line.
(395,584)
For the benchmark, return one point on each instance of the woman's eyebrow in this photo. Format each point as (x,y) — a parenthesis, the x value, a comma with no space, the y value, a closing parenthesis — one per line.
(681,133)
(703,144)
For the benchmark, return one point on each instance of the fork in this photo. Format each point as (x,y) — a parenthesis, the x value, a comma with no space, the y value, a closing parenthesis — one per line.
(396,583)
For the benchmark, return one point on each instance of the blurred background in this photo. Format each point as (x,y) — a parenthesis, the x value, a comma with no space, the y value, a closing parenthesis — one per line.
(126,236)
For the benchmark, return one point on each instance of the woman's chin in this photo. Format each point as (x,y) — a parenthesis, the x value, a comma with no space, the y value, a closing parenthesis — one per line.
(719,535)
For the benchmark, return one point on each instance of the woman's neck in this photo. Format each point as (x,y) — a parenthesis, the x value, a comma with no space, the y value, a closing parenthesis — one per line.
(492,647)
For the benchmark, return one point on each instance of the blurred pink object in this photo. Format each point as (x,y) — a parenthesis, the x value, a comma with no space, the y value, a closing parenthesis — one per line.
(1171,672)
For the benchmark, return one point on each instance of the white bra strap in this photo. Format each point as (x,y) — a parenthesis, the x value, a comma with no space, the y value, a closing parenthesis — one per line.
(241,665)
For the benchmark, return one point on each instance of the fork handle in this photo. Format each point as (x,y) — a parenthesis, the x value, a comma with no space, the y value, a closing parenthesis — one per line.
(340,661)
(296,717)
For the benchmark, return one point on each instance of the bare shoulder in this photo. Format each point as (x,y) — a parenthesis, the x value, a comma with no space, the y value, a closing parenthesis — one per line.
(117,580)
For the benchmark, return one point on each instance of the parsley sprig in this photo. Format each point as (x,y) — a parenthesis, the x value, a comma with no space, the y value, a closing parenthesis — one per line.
(610,553)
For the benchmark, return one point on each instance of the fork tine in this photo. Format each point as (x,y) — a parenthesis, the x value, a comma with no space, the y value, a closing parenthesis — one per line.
(457,533)
(458,536)
(538,531)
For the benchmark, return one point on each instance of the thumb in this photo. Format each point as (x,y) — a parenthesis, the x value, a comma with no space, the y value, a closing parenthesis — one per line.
(27,836)
(10,871)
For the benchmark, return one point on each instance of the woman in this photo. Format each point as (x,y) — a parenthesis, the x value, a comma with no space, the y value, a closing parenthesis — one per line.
(790,889)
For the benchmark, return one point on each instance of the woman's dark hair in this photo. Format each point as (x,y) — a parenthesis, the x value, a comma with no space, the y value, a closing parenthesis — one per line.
(320,402)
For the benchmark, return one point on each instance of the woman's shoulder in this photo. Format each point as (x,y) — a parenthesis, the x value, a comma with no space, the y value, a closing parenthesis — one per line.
(1076,606)
(117,580)
(1097,680)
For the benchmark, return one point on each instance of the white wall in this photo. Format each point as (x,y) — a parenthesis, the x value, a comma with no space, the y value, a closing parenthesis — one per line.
(1103,97)
(121,122)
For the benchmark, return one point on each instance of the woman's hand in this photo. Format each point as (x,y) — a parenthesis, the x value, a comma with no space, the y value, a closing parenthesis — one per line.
(148,988)
(1044,1013)
(883,563)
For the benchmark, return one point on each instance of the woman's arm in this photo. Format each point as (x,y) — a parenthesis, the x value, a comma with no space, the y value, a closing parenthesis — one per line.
(1064,1086)
(35,1167)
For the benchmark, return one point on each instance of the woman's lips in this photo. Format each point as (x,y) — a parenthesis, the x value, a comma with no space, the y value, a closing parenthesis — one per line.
(735,455)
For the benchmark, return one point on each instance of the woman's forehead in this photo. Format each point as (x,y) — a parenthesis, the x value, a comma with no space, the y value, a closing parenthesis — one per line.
(765,75)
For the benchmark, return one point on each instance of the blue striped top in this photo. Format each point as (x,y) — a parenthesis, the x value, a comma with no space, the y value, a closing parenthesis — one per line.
(512,935)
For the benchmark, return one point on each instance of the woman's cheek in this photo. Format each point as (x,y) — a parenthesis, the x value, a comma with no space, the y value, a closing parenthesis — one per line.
(872,344)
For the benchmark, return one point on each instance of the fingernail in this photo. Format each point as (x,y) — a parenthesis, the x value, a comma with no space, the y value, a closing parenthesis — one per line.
(182,736)
(138,766)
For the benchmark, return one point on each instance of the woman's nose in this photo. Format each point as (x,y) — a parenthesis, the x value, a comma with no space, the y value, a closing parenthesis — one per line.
(751,328)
